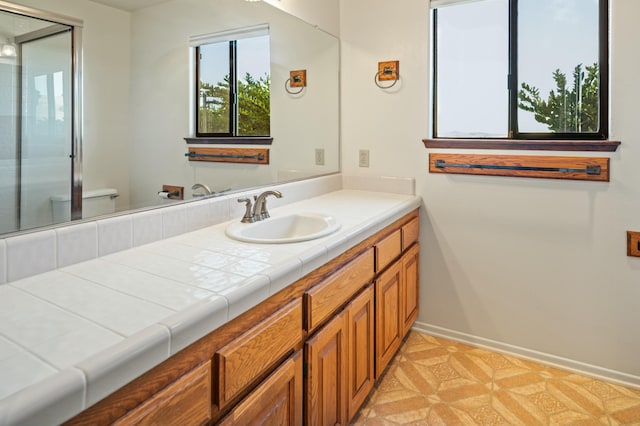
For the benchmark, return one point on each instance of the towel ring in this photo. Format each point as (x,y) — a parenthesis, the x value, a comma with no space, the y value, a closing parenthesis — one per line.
(289,91)
(385,72)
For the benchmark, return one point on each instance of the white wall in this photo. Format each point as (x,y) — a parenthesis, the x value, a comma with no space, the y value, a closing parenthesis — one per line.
(322,13)
(520,264)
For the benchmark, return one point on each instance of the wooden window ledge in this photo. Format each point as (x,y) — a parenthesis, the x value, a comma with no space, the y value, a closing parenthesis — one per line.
(520,144)
(239,140)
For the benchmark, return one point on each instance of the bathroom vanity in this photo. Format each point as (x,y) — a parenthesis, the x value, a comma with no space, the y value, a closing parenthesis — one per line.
(302,341)
(319,343)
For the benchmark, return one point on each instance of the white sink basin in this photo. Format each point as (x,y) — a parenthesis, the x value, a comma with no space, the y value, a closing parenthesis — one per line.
(291,228)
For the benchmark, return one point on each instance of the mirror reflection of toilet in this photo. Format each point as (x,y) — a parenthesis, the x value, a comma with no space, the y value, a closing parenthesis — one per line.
(95,202)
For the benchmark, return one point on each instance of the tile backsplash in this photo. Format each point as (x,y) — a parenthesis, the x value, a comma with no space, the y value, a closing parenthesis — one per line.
(37,252)
(29,254)
(76,243)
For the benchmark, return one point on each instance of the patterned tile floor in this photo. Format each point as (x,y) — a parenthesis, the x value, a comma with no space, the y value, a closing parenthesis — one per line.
(434,381)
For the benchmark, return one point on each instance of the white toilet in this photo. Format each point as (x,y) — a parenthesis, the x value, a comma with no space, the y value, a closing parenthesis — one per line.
(95,202)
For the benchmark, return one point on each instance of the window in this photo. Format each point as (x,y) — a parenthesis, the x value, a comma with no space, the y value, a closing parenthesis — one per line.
(233,85)
(520,69)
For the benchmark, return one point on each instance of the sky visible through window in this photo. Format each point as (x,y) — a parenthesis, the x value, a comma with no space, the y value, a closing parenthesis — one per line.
(473,59)
(554,34)
(253,58)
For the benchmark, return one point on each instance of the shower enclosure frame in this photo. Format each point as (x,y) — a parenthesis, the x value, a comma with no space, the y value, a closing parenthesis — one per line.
(76,95)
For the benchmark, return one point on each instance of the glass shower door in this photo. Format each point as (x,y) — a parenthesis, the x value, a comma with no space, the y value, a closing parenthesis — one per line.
(46,124)
(8,144)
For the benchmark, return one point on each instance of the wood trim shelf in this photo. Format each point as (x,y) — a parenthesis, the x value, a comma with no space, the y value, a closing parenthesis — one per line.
(550,167)
(537,144)
(229,155)
(231,140)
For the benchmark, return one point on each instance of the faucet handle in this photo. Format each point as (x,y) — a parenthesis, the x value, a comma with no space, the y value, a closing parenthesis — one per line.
(248,215)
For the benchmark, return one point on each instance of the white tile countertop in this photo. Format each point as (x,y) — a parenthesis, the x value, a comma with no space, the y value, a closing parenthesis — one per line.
(72,336)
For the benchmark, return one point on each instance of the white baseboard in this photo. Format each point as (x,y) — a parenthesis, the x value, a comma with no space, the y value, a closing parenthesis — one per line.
(601,373)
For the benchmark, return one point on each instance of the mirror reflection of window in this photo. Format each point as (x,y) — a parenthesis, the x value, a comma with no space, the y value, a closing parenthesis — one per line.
(214,89)
(233,93)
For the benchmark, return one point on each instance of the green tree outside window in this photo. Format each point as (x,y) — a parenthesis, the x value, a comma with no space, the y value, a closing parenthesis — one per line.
(568,109)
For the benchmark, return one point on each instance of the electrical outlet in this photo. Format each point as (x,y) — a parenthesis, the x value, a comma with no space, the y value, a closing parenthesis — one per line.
(319,156)
(633,243)
(363,158)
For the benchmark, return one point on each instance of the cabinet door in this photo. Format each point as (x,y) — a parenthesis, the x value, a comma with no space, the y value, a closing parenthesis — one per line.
(389,327)
(410,282)
(277,401)
(326,393)
(360,367)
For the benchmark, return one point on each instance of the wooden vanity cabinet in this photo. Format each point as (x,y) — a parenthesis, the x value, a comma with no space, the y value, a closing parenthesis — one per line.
(396,289)
(396,306)
(338,321)
(309,354)
(340,364)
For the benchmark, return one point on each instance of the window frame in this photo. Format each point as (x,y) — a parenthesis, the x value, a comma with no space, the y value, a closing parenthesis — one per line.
(595,141)
(233,94)
(230,137)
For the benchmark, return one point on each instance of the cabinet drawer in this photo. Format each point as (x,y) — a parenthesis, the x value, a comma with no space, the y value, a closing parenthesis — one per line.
(186,401)
(277,401)
(387,250)
(333,292)
(255,352)
(410,233)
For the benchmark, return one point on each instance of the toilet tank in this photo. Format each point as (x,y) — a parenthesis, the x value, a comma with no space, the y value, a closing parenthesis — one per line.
(95,202)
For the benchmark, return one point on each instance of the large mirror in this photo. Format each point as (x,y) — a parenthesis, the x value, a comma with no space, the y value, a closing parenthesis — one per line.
(138,105)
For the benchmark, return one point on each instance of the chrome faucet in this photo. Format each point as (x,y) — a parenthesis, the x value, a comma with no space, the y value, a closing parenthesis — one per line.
(259,210)
(260,207)
(207,190)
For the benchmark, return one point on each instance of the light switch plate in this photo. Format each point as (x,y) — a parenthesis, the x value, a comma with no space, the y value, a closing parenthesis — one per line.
(319,156)
(363,158)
